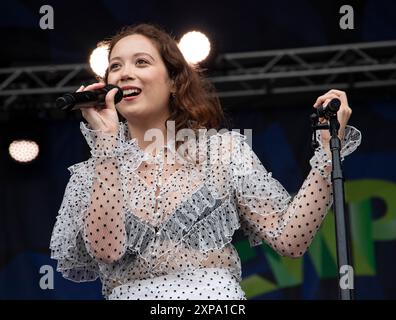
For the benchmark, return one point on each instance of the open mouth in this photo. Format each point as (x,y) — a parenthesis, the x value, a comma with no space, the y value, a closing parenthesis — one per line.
(131,92)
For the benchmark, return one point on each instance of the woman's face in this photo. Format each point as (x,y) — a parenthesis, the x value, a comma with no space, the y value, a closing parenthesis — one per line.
(136,62)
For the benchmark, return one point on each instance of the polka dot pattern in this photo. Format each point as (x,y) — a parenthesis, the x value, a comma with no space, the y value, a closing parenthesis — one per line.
(202,284)
(139,221)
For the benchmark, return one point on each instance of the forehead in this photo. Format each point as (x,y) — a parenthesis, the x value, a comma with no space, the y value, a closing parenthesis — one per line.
(132,44)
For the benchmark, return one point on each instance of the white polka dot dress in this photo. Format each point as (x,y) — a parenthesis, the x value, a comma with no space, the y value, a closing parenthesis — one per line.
(160,227)
(200,284)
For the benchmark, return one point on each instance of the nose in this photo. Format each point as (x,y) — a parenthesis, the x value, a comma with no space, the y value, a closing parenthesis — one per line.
(127,73)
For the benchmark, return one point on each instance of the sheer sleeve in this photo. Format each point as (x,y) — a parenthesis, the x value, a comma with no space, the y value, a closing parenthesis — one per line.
(268,212)
(90,227)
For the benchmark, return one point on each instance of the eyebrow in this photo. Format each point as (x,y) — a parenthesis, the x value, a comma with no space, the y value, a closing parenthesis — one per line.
(136,54)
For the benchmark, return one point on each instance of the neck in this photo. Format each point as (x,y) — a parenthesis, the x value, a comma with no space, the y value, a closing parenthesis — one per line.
(155,131)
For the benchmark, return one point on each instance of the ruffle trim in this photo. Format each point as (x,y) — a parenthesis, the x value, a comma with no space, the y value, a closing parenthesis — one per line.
(117,145)
(80,269)
(214,231)
(178,225)
(193,227)
(320,160)
(201,223)
(67,243)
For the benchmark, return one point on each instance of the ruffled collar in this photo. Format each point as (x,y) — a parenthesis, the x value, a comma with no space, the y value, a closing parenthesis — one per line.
(159,157)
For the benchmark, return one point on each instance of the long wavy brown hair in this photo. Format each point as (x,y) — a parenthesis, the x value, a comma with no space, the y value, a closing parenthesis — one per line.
(195,104)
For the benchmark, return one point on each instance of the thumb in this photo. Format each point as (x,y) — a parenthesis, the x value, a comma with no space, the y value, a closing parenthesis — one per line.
(110,98)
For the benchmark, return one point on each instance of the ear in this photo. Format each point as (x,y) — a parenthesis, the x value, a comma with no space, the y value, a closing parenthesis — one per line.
(172,86)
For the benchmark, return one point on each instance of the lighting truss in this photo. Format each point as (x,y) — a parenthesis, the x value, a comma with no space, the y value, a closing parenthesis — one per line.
(236,75)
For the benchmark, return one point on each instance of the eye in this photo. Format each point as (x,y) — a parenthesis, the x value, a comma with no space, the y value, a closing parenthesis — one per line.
(141,60)
(114,66)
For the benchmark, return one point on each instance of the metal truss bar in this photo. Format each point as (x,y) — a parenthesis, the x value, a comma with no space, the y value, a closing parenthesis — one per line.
(68,77)
(309,50)
(49,68)
(15,74)
(35,91)
(37,79)
(359,65)
(270,64)
(303,73)
(300,89)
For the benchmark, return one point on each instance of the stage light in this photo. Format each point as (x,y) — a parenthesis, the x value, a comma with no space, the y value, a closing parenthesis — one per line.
(99,60)
(195,47)
(23,150)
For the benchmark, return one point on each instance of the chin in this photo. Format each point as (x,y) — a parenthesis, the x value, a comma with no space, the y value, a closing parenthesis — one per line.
(133,113)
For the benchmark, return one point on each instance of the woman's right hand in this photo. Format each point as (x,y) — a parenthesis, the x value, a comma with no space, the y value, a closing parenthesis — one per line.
(103,118)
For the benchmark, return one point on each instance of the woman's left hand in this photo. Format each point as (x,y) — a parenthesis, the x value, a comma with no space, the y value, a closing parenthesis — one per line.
(343,114)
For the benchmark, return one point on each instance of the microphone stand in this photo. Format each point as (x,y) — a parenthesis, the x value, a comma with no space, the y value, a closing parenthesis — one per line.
(341,222)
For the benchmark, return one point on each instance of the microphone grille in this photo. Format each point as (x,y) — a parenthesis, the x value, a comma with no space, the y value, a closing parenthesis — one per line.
(64,101)
(334,104)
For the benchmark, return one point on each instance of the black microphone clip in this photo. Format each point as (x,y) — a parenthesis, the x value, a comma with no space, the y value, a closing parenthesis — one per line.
(330,109)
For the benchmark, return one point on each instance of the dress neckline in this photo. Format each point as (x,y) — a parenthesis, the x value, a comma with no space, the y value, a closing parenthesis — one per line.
(159,157)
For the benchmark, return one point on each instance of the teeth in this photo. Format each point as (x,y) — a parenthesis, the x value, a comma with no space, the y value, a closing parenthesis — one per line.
(130,91)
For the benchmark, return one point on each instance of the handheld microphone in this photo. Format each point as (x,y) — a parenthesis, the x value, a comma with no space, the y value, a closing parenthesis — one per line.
(330,110)
(86,99)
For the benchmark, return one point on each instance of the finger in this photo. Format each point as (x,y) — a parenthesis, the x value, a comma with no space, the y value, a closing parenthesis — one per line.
(91,115)
(322,119)
(110,98)
(80,89)
(341,95)
(321,99)
(94,86)
(326,102)
(338,92)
